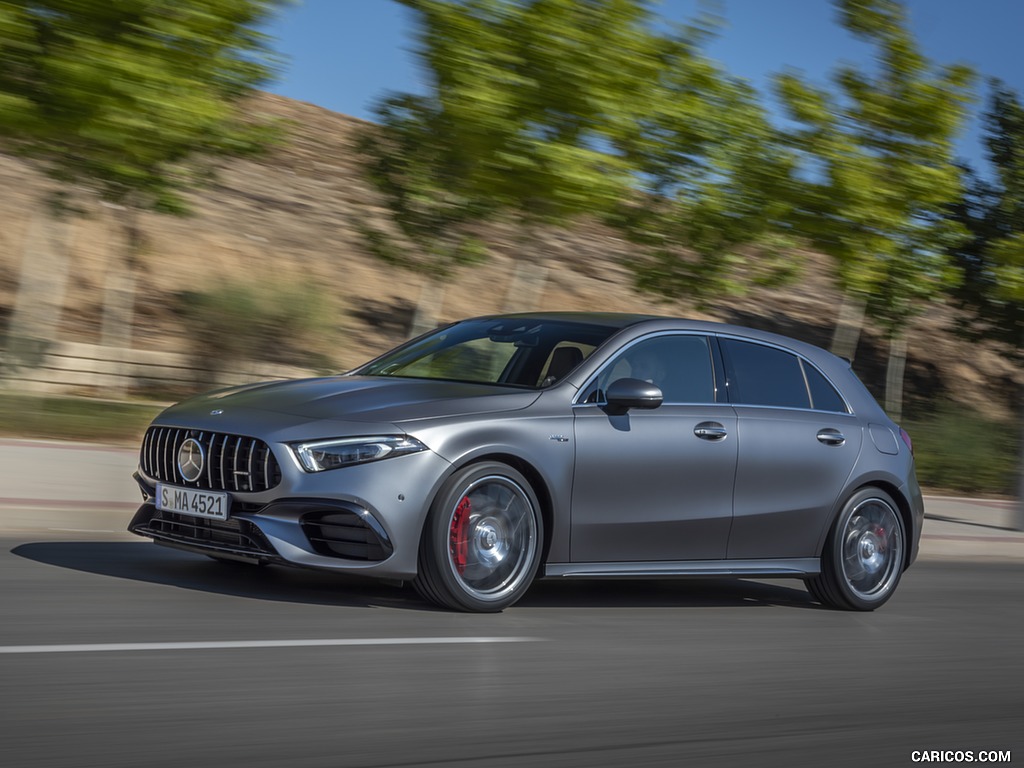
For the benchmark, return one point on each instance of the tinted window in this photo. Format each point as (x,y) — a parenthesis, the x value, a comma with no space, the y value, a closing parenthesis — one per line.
(679,365)
(760,375)
(823,395)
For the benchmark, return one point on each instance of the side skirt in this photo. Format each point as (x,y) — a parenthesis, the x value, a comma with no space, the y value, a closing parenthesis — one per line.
(783,568)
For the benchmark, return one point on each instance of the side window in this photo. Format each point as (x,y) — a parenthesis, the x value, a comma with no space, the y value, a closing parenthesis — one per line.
(760,375)
(563,358)
(679,365)
(823,395)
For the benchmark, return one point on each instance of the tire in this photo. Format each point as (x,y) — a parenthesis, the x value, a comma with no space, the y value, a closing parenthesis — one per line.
(482,541)
(864,555)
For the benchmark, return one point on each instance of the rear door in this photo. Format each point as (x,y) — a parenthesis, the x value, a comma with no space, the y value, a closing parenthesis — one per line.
(798,445)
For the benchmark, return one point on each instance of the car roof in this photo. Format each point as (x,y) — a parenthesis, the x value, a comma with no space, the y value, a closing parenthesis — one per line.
(649,322)
(605,319)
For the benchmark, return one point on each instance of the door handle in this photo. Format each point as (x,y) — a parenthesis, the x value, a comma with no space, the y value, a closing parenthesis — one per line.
(710,430)
(831,437)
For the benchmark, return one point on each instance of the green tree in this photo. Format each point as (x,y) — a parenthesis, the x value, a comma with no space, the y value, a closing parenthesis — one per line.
(879,164)
(992,261)
(421,174)
(1002,257)
(537,93)
(132,101)
(975,292)
(712,183)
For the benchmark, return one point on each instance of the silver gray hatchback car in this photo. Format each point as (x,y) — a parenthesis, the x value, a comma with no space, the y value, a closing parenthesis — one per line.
(496,450)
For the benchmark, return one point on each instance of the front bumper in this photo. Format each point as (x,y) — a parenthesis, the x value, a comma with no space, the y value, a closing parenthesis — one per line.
(322,520)
(330,528)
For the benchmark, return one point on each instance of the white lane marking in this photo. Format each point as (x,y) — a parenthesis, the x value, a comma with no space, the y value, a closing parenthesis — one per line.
(234,644)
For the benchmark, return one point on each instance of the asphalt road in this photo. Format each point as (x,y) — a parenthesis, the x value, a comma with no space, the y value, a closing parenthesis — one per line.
(277,667)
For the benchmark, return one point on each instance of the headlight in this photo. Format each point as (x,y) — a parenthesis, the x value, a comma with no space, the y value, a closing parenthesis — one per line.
(344,452)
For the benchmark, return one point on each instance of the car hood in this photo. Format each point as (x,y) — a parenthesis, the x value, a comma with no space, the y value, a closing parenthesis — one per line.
(363,399)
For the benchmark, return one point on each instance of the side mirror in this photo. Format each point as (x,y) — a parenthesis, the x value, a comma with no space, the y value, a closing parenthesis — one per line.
(623,394)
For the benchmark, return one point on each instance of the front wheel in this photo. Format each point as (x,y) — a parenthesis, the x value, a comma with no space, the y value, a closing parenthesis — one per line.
(863,557)
(482,541)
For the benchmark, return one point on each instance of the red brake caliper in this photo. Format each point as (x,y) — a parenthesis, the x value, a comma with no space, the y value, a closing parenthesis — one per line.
(458,539)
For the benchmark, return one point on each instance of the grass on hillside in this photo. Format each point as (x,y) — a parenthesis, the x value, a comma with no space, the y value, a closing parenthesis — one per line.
(959,450)
(77,419)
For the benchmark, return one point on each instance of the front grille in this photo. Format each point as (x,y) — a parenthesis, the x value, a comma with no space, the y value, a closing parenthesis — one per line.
(345,534)
(231,462)
(231,535)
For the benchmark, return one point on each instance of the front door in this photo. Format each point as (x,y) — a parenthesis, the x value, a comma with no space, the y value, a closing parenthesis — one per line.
(655,485)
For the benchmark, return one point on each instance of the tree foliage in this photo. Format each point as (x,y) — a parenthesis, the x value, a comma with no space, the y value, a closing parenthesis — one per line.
(560,108)
(133,101)
(124,97)
(711,180)
(878,165)
(536,93)
(992,260)
(421,174)
(989,290)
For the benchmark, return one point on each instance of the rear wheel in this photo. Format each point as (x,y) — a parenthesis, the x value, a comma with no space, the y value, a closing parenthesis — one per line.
(482,541)
(863,557)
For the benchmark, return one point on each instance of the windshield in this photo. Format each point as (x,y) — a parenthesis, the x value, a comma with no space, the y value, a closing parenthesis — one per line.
(517,352)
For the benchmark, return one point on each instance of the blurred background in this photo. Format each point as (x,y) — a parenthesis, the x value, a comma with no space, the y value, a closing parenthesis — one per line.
(202,193)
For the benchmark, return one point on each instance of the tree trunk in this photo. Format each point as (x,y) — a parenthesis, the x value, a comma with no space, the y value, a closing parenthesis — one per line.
(848,326)
(118,306)
(119,286)
(529,276)
(894,376)
(35,321)
(428,308)
(119,290)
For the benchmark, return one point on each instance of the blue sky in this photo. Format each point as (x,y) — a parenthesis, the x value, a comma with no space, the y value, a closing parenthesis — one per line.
(346,54)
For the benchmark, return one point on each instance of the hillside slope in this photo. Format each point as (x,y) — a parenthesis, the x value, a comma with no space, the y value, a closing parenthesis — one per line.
(290,215)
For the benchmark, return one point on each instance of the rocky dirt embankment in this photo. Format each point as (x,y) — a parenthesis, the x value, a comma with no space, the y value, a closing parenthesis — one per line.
(289,215)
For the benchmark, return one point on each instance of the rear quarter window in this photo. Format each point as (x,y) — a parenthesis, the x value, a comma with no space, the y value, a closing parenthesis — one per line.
(824,396)
(762,375)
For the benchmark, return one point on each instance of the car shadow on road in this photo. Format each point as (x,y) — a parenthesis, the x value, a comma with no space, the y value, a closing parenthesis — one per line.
(150,563)
(146,562)
(690,592)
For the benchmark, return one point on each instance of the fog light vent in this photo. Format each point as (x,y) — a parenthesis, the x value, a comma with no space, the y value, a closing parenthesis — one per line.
(350,535)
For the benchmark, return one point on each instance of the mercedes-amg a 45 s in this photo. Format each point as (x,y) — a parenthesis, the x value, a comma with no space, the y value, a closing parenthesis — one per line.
(497,450)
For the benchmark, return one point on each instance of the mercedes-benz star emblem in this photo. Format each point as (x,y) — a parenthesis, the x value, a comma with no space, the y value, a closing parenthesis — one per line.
(191,458)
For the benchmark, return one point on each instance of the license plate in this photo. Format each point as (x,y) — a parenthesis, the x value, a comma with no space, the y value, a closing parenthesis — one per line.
(191,501)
